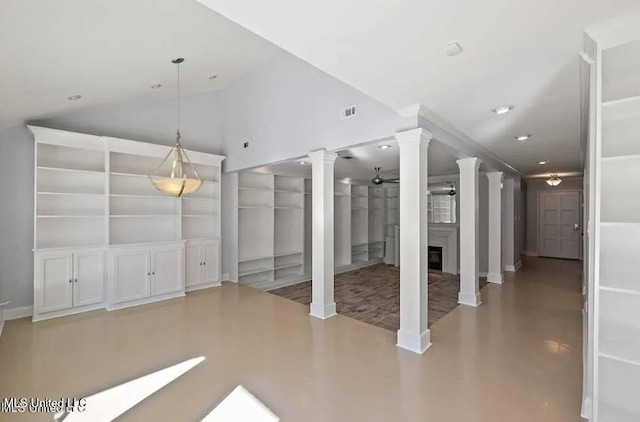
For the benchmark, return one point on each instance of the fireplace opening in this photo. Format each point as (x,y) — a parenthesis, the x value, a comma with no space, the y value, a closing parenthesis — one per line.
(435,258)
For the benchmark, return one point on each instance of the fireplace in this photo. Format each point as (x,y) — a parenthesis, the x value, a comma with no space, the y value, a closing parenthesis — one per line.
(435,258)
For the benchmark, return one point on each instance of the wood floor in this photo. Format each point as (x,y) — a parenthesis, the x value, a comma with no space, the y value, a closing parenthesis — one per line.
(515,358)
(372,295)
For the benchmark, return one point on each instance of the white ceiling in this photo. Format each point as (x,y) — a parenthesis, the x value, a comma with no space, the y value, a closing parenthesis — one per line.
(111,51)
(519,52)
(442,161)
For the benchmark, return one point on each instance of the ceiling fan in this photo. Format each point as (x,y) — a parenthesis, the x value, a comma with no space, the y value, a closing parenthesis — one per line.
(378,180)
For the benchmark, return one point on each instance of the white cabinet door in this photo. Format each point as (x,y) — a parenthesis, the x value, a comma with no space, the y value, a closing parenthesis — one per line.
(131,274)
(88,282)
(194,267)
(211,255)
(167,274)
(54,277)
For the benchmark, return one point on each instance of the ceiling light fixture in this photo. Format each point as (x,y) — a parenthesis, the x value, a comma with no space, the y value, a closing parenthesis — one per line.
(74,97)
(503,109)
(213,77)
(384,146)
(554,180)
(543,162)
(453,49)
(522,138)
(177,177)
(156,86)
(303,162)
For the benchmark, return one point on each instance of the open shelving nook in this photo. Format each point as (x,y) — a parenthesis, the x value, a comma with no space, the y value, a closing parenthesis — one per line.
(90,191)
(270,229)
(616,295)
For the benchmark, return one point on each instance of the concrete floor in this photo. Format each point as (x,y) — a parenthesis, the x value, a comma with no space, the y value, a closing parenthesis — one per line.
(517,357)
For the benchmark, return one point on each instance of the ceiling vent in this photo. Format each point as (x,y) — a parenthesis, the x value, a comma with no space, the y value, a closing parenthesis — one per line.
(346,154)
(348,112)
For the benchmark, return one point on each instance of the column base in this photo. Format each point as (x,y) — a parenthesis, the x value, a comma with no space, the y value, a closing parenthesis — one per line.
(415,343)
(495,278)
(469,299)
(323,312)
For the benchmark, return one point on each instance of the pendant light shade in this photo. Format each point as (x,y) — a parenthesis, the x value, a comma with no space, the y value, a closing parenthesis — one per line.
(554,180)
(176,176)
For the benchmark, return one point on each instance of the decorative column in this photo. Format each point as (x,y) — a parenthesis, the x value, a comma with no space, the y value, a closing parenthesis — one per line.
(414,334)
(469,232)
(323,304)
(494,274)
(508,225)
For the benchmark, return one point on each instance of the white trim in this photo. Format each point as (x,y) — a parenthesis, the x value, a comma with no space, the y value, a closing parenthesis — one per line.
(495,278)
(531,253)
(587,408)
(510,268)
(518,265)
(225,277)
(416,344)
(202,286)
(18,312)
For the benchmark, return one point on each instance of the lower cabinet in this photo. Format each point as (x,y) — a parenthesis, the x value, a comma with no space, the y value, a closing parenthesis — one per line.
(145,274)
(202,264)
(67,282)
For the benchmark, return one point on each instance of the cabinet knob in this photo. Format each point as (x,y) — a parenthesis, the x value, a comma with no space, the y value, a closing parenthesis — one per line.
(70,280)
(204,263)
(76,280)
(153,273)
(149,273)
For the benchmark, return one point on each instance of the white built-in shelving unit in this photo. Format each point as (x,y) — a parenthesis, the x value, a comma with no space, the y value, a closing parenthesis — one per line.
(375,230)
(359,224)
(616,214)
(94,202)
(270,229)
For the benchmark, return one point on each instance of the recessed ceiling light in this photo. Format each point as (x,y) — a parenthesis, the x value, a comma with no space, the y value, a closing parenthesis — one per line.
(503,109)
(453,49)
(74,97)
(522,138)
(303,162)
(156,86)
(384,146)
(213,77)
(543,162)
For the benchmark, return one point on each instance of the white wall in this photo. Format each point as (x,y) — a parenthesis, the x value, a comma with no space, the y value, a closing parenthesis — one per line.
(287,108)
(533,187)
(16,217)
(284,108)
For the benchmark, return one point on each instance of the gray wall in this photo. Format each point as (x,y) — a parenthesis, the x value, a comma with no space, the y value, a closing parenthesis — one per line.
(16,217)
(533,187)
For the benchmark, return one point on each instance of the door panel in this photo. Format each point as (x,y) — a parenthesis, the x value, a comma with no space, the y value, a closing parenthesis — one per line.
(211,251)
(167,270)
(193,265)
(559,225)
(88,274)
(131,275)
(55,276)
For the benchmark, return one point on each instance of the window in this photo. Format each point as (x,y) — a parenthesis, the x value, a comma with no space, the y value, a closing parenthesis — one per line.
(442,208)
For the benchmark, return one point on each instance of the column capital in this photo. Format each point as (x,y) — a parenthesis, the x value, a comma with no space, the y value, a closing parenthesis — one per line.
(469,163)
(495,176)
(322,156)
(414,136)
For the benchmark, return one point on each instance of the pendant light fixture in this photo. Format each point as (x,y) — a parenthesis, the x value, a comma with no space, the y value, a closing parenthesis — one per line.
(176,176)
(554,180)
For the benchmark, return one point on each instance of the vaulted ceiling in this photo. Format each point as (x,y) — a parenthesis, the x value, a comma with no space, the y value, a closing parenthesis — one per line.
(518,52)
(112,51)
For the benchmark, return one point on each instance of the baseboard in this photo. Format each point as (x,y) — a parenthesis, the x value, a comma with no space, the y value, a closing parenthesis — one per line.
(225,277)
(587,408)
(18,312)
(1,320)
(513,268)
(530,253)
(482,274)
(518,265)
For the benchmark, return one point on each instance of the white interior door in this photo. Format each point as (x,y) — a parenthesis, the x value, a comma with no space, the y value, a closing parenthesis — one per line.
(88,288)
(55,273)
(211,261)
(167,274)
(559,224)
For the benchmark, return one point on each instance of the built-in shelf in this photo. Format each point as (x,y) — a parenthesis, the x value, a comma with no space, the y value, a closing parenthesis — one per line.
(254,258)
(72,216)
(619,290)
(70,193)
(75,171)
(291,265)
(255,271)
(288,253)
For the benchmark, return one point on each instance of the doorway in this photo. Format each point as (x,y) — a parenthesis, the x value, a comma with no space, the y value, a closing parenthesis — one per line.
(559,225)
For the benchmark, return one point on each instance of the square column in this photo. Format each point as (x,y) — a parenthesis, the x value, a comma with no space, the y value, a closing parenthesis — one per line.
(414,334)
(323,304)
(469,232)
(508,225)
(495,227)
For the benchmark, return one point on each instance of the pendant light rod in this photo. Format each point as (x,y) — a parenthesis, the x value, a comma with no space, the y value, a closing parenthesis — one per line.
(177,62)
